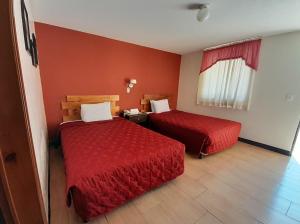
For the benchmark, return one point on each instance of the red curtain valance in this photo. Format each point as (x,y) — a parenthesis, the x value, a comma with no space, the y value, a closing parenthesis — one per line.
(249,51)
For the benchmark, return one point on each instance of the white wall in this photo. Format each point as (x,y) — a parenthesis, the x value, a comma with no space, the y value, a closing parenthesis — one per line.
(34,99)
(271,119)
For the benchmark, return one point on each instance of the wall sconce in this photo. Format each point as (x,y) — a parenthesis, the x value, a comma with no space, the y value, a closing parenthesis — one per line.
(131,83)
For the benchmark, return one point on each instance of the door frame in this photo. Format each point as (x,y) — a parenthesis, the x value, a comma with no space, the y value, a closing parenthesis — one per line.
(6,208)
(295,138)
(19,176)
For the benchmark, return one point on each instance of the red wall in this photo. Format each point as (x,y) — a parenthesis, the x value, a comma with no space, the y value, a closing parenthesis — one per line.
(73,62)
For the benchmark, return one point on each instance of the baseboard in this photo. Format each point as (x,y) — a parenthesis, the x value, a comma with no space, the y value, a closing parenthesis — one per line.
(268,147)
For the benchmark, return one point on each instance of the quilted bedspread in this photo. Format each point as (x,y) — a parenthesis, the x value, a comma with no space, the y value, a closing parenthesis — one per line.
(110,162)
(200,134)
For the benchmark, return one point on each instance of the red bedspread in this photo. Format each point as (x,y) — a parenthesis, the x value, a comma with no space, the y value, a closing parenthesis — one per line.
(200,134)
(109,162)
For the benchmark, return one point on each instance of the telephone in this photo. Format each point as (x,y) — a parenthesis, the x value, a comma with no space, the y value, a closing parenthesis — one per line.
(132,111)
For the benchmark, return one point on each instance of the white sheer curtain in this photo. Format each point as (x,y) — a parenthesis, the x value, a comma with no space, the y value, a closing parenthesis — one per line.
(227,83)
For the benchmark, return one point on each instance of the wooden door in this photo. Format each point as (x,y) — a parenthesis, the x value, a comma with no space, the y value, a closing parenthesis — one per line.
(20,184)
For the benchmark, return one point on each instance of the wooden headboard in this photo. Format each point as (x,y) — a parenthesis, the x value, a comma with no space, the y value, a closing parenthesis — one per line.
(71,107)
(145,102)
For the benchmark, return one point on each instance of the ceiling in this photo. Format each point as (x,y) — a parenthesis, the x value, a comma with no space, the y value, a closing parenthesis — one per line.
(167,24)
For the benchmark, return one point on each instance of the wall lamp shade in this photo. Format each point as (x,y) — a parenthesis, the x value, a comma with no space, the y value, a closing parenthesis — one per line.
(203,13)
(133,81)
(131,84)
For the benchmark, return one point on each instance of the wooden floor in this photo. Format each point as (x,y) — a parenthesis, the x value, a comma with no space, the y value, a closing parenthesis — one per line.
(244,184)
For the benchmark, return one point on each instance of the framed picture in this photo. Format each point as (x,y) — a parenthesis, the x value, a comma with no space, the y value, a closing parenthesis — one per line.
(25,23)
(33,51)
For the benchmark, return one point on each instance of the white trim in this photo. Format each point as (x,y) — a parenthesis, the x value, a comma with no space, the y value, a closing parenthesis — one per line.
(231,43)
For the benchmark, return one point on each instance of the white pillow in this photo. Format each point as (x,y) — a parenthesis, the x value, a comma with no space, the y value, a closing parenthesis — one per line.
(96,112)
(160,106)
(151,105)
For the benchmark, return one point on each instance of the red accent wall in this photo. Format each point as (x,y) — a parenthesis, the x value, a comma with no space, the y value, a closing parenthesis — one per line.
(73,62)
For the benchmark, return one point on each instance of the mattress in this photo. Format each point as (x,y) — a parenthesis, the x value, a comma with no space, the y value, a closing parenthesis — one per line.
(201,134)
(110,162)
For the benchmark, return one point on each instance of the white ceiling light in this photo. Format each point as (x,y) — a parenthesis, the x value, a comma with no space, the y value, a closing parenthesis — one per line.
(203,13)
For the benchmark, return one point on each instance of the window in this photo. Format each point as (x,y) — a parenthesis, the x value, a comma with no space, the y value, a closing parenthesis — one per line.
(227,83)
(227,75)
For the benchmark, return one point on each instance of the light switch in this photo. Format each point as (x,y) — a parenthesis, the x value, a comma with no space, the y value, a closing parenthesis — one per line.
(289,97)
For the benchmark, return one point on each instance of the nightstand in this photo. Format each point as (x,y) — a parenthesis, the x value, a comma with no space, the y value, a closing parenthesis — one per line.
(141,118)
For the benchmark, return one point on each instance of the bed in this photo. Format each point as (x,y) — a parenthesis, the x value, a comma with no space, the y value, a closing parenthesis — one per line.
(202,135)
(110,162)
